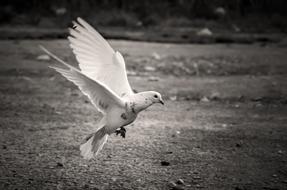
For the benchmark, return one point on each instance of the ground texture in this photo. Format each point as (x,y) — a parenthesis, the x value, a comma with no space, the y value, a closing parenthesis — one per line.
(223,125)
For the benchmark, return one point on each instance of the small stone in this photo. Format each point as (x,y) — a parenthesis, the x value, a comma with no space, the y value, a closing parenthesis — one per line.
(196,177)
(114,179)
(235,28)
(149,68)
(60,11)
(59,164)
(152,78)
(58,112)
(165,163)
(238,145)
(172,184)
(156,56)
(44,57)
(204,99)
(280,152)
(173,98)
(180,182)
(204,32)
(131,73)
(236,105)
(220,11)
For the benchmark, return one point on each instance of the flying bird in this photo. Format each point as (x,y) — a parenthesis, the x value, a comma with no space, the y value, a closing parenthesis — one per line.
(103,79)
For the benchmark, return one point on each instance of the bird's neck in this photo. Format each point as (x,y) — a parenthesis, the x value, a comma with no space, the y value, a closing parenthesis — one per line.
(140,104)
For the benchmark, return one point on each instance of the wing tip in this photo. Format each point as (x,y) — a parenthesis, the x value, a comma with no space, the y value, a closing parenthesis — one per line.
(43,48)
(79,19)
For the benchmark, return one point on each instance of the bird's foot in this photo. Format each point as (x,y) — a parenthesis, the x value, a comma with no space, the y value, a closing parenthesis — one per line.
(122,131)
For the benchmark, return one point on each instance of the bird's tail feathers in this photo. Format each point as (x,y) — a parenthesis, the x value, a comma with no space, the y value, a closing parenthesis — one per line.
(94,143)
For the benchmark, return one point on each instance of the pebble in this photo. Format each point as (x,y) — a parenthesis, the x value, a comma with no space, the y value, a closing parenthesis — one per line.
(59,164)
(149,68)
(173,98)
(44,57)
(156,56)
(204,32)
(196,177)
(152,78)
(174,186)
(180,182)
(165,163)
(238,145)
(204,99)
(131,73)
(114,179)
(236,105)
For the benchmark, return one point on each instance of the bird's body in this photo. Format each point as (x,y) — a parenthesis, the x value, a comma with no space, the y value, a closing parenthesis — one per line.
(102,77)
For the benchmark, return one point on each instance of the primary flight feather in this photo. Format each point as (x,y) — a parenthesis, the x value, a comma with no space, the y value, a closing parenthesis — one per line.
(103,79)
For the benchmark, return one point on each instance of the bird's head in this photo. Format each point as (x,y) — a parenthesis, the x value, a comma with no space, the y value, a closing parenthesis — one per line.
(145,99)
(154,97)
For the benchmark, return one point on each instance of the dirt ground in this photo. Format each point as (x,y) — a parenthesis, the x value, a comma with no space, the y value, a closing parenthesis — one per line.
(223,125)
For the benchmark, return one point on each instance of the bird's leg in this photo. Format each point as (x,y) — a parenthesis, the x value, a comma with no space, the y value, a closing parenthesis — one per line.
(122,131)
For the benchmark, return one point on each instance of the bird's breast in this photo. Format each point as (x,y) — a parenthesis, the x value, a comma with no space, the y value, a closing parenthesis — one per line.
(120,117)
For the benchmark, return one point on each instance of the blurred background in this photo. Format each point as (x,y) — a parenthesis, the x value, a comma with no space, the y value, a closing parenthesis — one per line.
(163,16)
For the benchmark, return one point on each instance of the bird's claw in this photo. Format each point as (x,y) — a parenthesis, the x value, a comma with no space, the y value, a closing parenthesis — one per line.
(122,131)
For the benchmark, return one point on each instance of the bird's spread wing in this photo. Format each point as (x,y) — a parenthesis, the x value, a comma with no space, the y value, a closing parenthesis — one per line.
(97,59)
(99,94)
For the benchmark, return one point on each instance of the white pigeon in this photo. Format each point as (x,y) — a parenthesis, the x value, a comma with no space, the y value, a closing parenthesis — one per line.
(103,79)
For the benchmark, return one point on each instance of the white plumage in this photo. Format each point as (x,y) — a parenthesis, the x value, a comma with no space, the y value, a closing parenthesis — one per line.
(102,78)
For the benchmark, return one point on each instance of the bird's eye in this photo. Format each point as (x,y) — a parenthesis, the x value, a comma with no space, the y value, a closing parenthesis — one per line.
(155,96)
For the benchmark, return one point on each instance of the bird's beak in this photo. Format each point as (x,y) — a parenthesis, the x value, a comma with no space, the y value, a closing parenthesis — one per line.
(161,101)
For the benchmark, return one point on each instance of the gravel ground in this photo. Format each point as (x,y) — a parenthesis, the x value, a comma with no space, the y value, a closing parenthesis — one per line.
(223,125)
